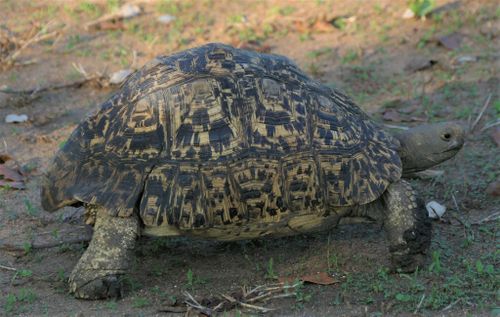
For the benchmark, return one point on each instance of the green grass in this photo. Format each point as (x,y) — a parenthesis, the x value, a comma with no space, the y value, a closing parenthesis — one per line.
(421,7)
(20,301)
(270,273)
(349,57)
(140,302)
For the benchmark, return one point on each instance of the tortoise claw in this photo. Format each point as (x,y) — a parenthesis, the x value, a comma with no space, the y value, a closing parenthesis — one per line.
(109,286)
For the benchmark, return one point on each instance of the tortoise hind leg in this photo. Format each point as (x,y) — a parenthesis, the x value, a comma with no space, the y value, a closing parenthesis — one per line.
(407,225)
(97,273)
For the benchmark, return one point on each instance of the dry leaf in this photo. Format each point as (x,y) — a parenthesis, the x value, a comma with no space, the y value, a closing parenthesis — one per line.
(420,63)
(320,278)
(495,135)
(392,115)
(493,189)
(451,41)
(10,176)
(411,108)
(322,26)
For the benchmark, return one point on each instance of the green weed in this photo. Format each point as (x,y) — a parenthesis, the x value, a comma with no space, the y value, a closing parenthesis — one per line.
(270,273)
(30,209)
(436,262)
(140,302)
(421,7)
(319,52)
(349,57)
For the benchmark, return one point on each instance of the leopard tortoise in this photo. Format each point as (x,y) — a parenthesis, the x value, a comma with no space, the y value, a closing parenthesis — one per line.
(222,143)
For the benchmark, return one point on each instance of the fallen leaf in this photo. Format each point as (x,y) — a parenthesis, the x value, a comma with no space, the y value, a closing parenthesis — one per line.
(13,185)
(420,63)
(111,26)
(493,189)
(10,176)
(391,115)
(451,41)
(321,26)
(495,135)
(320,278)
(411,108)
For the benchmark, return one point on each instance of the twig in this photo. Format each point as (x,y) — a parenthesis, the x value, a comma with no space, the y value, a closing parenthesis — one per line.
(38,37)
(7,268)
(458,210)
(76,84)
(451,305)
(490,125)
(392,126)
(419,304)
(494,216)
(483,109)
(259,308)
(192,302)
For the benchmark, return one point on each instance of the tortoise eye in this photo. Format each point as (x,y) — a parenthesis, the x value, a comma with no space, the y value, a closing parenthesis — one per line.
(446,136)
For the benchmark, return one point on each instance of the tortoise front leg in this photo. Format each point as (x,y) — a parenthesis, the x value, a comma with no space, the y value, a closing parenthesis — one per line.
(407,225)
(97,273)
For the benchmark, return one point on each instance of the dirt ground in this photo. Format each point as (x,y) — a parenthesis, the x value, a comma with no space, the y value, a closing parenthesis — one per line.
(401,71)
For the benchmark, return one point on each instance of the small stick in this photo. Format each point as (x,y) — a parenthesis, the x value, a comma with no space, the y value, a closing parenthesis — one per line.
(494,216)
(451,305)
(490,125)
(194,303)
(7,268)
(419,304)
(259,308)
(32,92)
(11,58)
(483,109)
(392,126)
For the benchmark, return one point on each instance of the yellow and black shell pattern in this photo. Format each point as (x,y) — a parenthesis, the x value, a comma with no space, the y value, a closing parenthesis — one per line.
(214,136)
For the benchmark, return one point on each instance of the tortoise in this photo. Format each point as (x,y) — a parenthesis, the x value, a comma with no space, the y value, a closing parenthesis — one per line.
(227,144)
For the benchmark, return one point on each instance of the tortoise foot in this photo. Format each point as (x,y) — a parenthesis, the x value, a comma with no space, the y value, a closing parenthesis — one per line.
(86,287)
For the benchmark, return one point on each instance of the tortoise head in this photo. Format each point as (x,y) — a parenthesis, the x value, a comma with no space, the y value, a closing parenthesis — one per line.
(428,145)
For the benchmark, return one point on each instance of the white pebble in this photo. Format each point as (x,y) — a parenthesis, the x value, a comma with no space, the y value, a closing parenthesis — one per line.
(435,209)
(408,14)
(15,118)
(129,10)
(166,18)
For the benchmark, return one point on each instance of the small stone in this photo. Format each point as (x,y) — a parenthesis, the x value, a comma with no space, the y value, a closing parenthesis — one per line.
(118,77)
(15,118)
(408,14)
(165,19)
(465,59)
(129,11)
(435,210)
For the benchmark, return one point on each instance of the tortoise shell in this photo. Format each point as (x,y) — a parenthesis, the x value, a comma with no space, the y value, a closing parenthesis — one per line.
(214,136)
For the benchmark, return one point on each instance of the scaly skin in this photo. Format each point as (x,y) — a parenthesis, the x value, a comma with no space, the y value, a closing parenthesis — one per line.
(407,225)
(98,272)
